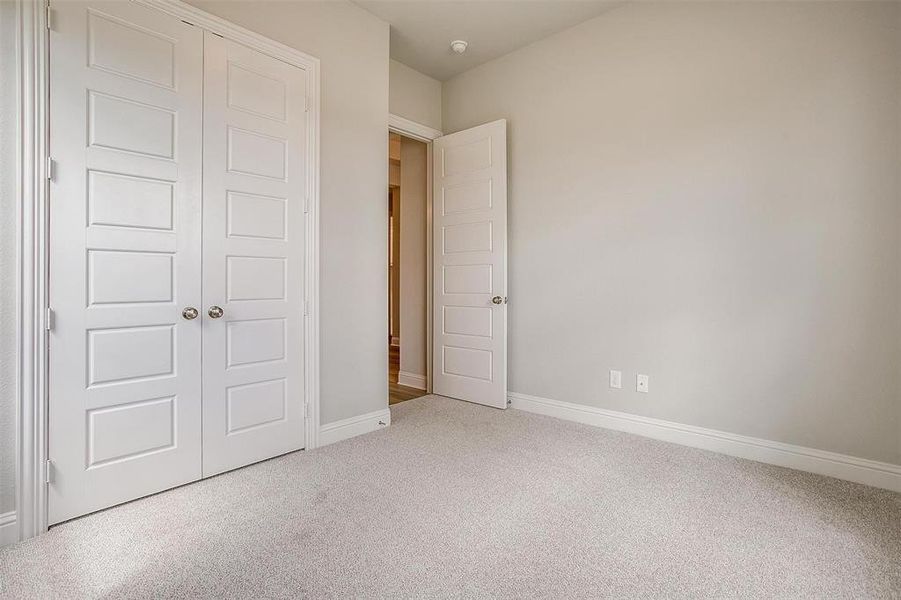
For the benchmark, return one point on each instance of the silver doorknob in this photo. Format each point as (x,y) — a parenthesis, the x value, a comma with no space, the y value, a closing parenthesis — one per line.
(190,313)
(498,300)
(215,312)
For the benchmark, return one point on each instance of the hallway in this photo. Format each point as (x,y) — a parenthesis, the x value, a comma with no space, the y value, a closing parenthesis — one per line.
(396,392)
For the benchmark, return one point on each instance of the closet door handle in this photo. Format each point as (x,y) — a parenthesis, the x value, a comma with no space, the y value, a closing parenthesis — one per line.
(190,313)
(215,312)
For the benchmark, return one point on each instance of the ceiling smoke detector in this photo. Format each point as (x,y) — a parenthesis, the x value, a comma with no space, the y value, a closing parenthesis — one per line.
(459,46)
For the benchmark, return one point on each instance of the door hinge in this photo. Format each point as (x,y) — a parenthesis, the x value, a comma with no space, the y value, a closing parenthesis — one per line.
(306,104)
(49,18)
(306,308)
(306,205)
(48,471)
(49,320)
(50,169)
(306,410)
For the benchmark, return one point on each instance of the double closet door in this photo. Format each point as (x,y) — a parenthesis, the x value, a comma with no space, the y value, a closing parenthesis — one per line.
(176,255)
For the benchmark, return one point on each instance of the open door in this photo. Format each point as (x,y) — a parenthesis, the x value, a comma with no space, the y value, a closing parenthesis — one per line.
(470,265)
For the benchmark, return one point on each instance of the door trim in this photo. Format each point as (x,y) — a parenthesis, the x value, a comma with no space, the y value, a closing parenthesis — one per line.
(32,244)
(425,134)
(412,129)
(32,89)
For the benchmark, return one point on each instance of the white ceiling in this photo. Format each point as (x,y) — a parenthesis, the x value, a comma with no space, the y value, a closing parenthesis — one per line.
(422,30)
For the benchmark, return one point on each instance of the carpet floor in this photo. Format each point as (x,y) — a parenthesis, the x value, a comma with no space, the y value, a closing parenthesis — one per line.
(457,500)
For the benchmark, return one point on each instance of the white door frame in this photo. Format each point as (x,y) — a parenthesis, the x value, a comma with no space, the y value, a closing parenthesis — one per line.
(32,87)
(425,134)
(32,276)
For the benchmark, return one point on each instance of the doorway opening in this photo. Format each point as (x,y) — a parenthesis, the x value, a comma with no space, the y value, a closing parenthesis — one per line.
(407,268)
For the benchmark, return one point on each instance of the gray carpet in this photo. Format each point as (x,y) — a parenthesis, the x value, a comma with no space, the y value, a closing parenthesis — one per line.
(456,500)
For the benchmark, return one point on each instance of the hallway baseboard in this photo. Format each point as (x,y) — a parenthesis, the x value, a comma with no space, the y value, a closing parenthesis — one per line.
(411,380)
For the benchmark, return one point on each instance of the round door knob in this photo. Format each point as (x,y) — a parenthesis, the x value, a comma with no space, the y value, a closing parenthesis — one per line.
(215,312)
(498,300)
(190,313)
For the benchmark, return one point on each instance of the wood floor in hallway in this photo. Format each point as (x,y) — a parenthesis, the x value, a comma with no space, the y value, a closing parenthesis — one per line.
(396,392)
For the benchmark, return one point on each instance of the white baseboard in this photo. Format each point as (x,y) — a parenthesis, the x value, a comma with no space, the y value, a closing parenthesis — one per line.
(411,380)
(841,466)
(9,529)
(354,426)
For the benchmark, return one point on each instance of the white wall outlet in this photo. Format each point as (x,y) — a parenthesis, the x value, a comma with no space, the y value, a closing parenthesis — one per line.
(616,379)
(641,383)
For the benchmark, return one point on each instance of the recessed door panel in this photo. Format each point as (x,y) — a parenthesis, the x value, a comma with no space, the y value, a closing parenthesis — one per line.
(126,201)
(256,92)
(117,277)
(255,127)
(128,49)
(467,237)
(125,113)
(123,124)
(253,153)
(255,216)
(129,431)
(467,279)
(465,157)
(126,354)
(255,277)
(467,320)
(465,197)
(254,341)
(467,363)
(255,405)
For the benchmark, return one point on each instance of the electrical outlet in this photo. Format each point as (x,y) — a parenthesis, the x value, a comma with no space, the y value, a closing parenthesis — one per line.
(641,383)
(616,379)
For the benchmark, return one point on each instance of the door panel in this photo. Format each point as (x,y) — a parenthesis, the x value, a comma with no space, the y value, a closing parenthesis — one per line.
(125,109)
(470,268)
(255,125)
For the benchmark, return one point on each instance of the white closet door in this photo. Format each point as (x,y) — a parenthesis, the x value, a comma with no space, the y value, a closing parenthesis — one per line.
(125,112)
(470,265)
(254,185)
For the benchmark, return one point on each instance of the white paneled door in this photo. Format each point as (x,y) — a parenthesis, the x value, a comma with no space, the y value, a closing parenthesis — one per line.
(176,255)
(125,222)
(470,265)
(254,185)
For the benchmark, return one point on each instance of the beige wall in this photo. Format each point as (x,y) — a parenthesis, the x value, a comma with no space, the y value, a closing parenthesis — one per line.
(708,193)
(414,96)
(352,46)
(413,201)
